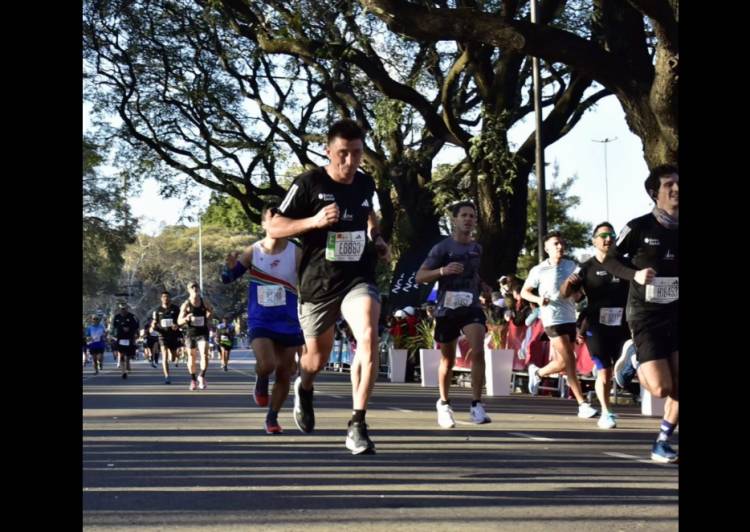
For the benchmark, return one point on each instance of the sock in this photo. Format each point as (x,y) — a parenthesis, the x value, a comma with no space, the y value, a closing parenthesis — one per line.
(358,416)
(445,402)
(192,376)
(474,403)
(665,430)
(203,372)
(272,415)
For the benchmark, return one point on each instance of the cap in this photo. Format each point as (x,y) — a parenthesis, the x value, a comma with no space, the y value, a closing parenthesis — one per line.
(399,314)
(409,310)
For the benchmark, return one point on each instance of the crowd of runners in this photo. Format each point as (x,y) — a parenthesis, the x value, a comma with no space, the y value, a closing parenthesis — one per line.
(297,293)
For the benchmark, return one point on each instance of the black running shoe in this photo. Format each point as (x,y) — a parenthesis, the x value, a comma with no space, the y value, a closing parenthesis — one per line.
(304,416)
(357,440)
(124,375)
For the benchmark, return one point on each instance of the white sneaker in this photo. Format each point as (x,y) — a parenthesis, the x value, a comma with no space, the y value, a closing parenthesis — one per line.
(445,416)
(478,415)
(534,380)
(607,421)
(586,410)
(201,383)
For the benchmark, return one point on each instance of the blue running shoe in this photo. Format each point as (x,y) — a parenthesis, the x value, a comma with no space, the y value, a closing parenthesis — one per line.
(663,453)
(624,370)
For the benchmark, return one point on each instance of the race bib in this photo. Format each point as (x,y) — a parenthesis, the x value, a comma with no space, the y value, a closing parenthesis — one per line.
(611,316)
(123,341)
(224,338)
(271,295)
(166,322)
(345,247)
(198,321)
(663,290)
(458,299)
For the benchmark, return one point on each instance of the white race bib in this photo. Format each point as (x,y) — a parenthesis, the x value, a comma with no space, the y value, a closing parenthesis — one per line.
(166,322)
(611,316)
(271,295)
(458,299)
(198,321)
(123,341)
(345,247)
(663,290)
(224,338)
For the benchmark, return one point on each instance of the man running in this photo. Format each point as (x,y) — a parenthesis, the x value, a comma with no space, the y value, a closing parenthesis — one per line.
(225,339)
(646,254)
(455,263)
(331,208)
(165,324)
(607,330)
(272,322)
(96,335)
(558,316)
(125,327)
(195,314)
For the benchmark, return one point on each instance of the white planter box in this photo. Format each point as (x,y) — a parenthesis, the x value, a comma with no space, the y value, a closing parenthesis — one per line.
(650,405)
(498,369)
(396,365)
(429,360)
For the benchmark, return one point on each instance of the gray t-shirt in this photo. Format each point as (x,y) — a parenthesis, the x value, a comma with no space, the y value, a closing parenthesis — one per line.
(457,290)
(548,279)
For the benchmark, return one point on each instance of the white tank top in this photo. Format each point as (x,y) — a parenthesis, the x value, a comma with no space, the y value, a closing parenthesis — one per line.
(281,265)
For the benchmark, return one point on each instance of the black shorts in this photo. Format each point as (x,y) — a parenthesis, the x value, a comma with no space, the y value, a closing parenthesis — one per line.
(569,329)
(448,327)
(173,343)
(191,342)
(287,340)
(655,339)
(126,350)
(151,341)
(605,344)
(96,351)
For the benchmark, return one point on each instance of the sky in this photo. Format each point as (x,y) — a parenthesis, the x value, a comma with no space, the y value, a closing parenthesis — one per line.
(576,154)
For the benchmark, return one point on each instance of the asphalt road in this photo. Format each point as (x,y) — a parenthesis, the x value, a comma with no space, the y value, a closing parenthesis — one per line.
(159,457)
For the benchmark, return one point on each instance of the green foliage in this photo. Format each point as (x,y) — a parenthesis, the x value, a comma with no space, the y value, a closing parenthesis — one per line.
(225,211)
(491,153)
(559,202)
(107,226)
(425,337)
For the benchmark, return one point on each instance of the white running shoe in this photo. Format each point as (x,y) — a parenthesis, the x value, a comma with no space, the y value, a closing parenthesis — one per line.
(607,421)
(201,382)
(445,415)
(585,410)
(478,414)
(534,380)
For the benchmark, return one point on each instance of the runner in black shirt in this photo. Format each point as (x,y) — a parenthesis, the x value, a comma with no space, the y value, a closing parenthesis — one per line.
(165,324)
(195,314)
(607,330)
(650,245)
(125,328)
(331,208)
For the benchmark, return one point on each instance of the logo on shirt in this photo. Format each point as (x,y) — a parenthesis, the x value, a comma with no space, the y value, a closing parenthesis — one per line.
(601,273)
(275,263)
(669,255)
(326,197)
(652,241)
(365,203)
(346,216)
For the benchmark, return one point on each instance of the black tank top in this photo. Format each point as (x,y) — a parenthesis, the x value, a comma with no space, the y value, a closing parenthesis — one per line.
(198,313)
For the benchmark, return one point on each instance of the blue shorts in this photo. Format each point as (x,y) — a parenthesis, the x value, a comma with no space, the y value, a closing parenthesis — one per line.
(287,340)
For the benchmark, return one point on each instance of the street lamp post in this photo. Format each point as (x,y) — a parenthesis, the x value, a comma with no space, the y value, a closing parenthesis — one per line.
(200,254)
(605,141)
(539,163)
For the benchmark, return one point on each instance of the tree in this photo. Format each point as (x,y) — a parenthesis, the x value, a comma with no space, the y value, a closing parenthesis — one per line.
(107,224)
(576,233)
(631,48)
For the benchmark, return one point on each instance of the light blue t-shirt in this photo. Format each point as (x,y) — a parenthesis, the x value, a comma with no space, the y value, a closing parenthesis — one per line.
(548,279)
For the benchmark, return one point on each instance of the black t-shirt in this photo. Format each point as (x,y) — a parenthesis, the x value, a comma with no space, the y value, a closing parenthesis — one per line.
(192,329)
(603,291)
(335,258)
(172,312)
(645,243)
(126,327)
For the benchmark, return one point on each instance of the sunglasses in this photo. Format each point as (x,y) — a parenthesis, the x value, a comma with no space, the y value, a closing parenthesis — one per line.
(605,235)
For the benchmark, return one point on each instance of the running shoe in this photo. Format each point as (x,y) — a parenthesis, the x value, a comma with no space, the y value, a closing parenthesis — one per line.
(445,415)
(273,427)
(626,366)
(478,414)
(260,393)
(585,410)
(357,439)
(304,415)
(124,375)
(607,421)
(202,382)
(193,384)
(663,453)
(534,380)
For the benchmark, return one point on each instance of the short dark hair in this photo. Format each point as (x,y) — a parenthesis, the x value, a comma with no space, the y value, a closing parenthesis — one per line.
(456,207)
(269,205)
(652,182)
(602,224)
(164,292)
(346,129)
(553,234)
